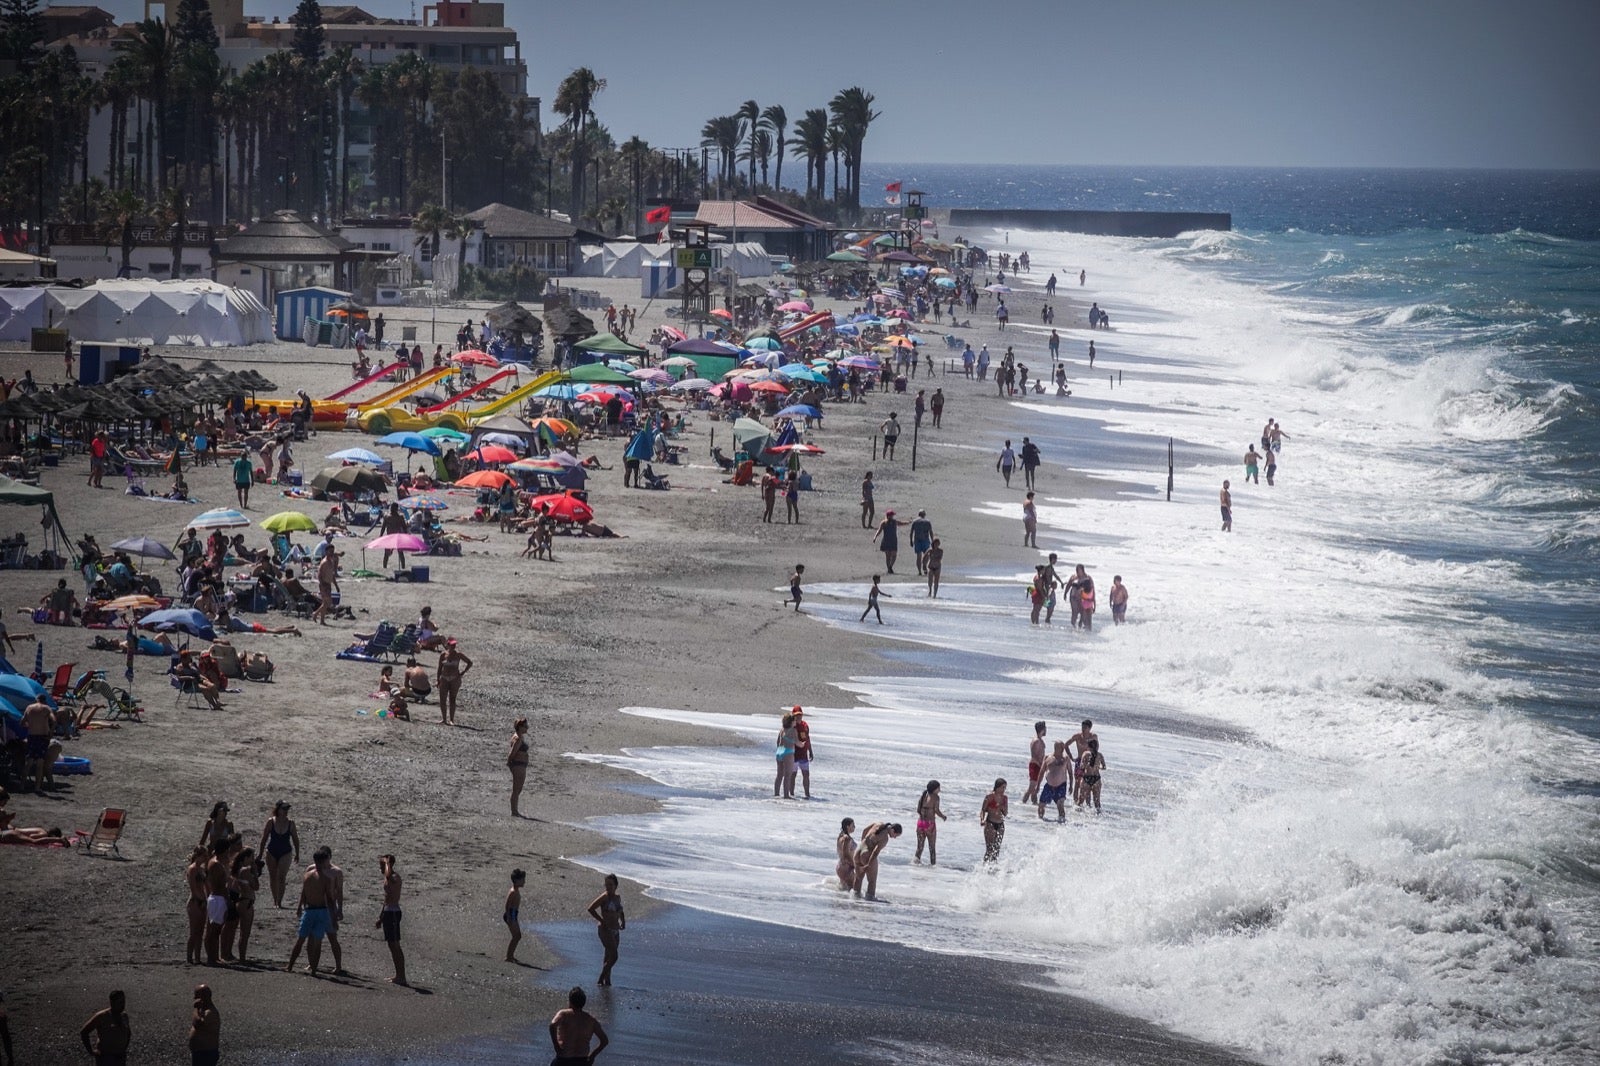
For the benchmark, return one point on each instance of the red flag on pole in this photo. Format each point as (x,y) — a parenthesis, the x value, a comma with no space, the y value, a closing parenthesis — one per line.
(659,216)
(893,186)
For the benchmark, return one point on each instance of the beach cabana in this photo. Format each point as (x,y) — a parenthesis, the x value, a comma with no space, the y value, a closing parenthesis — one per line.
(18,494)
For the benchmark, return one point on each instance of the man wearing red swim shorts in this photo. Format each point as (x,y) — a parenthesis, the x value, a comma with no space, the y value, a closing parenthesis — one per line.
(1035,763)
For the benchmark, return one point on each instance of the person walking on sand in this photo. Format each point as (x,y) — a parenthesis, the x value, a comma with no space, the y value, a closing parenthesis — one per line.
(452,668)
(1252,464)
(887,538)
(928,817)
(1091,355)
(313,912)
(205,1029)
(936,406)
(111,1031)
(769,494)
(1119,599)
(279,839)
(1225,498)
(890,428)
(872,600)
(992,815)
(921,539)
(783,752)
(517,762)
(874,838)
(606,910)
(1057,782)
(1093,764)
(573,1029)
(1030,522)
(802,753)
(844,849)
(934,563)
(327,577)
(868,510)
(513,908)
(1036,751)
(795,593)
(244,477)
(1006,463)
(1030,461)
(389,918)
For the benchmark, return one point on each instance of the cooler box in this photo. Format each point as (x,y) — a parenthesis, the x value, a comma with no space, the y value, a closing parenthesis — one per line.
(419,574)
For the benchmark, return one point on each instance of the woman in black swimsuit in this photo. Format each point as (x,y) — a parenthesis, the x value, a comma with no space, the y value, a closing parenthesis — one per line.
(1089,787)
(607,910)
(279,840)
(517,760)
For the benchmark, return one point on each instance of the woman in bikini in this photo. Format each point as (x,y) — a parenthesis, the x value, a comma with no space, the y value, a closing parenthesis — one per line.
(788,740)
(992,814)
(217,826)
(453,666)
(194,878)
(928,814)
(1089,788)
(607,911)
(279,840)
(845,848)
(243,881)
(517,761)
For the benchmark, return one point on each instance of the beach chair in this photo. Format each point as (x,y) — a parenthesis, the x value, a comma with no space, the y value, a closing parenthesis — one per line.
(185,688)
(119,702)
(373,649)
(62,683)
(404,644)
(107,831)
(653,480)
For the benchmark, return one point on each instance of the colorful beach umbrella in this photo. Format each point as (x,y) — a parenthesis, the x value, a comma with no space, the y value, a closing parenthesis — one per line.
(180,620)
(404,542)
(799,410)
(137,601)
(445,433)
(493,453)
(289,522)
(411,442)
(569,508)
(768,386)
(473,357)
(219,518)
(358,455)
(423,502)
(803,449)
(484,479)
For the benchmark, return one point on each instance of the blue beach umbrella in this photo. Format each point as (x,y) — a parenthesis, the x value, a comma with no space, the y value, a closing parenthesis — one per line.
(19,690)
(770,344)
(411,442)
(179,619)
(800,410)
(219,518)
(558,392)
(358,455)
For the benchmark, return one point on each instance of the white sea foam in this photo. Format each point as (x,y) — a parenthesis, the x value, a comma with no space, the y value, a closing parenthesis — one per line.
(1327,837)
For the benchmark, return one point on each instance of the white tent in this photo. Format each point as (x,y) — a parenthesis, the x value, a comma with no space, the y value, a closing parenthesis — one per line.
(626,259)
(143,311)
(21,311)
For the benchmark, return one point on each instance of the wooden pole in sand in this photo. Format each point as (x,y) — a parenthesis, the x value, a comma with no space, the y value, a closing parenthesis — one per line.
(1169,469)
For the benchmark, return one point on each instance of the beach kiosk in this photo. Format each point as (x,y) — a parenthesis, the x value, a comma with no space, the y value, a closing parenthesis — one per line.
(294,306)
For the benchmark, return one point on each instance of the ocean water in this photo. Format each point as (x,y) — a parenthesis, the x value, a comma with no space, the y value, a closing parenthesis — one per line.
(1353,801)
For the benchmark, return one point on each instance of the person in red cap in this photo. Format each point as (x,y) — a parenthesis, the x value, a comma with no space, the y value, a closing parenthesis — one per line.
(802,752)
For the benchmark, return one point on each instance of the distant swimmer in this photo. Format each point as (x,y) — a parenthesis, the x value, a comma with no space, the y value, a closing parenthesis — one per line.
(1057,782)
(1091,355)
(1083,278)
(874,838)
(1036,749)
(1119,591)
(1278,436)
(1225,498)
(992,814)
(1252,464)
(928,817)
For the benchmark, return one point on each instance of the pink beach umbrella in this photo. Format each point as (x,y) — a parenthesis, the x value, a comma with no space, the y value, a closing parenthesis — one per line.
(405,542)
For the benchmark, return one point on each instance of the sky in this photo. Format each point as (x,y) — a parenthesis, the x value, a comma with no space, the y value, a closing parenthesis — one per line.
(1411,83)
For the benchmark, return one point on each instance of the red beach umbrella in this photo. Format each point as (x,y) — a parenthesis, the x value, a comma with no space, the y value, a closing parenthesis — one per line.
(567,508)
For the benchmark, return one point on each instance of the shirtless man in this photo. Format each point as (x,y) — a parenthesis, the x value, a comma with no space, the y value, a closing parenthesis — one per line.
(1036,752)
(335,906)
(205,1029)
(874,838)
(1080,742)
(572,1031)
(114,1032)
(1225,498)
(194,878)
(1266,436)
(315,918)
(389,918)
(216,880)
(1277,436)
(36,720)
(327,575)
(1058,782)
(417,684)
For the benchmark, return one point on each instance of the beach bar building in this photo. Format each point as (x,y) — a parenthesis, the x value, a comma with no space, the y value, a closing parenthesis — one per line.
(508,236)
(290,252)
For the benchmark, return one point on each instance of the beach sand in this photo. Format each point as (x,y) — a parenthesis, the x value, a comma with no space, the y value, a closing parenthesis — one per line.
(684,611)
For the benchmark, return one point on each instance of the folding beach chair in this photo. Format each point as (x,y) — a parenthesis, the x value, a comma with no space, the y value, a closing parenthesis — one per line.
(62,683)
(404,644)
(186,688)
(119,702)
(373,649)
(107,831)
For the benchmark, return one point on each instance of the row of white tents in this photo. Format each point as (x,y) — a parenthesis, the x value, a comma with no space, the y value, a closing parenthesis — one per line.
(139,311)
(627,259)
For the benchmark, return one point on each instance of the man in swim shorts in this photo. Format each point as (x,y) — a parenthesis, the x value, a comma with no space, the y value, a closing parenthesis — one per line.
(312,910)
(1036,752)
(1226,500)
(389,918)
(217,872)
(573,1029)
(111,1027)
(1057,782)
(802,751)
(36,720)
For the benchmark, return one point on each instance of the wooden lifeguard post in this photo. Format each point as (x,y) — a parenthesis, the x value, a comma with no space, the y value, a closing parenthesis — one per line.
(696,261)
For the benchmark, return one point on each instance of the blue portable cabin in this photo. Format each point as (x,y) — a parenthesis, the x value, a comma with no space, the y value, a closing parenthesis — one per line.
(294,306)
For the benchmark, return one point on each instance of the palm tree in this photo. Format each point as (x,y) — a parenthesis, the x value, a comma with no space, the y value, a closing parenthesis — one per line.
(836,145)
(776,121)
(150,48)
(724,133)
(852,111)
(575,100)
(758,151)
(810,142)
(749,114)
(341,73)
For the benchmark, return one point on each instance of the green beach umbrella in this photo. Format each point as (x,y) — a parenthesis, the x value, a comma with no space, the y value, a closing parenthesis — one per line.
(846,257)
(599,374)
(289,522)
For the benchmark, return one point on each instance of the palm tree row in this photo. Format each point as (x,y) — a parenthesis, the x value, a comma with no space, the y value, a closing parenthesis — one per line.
(756,137)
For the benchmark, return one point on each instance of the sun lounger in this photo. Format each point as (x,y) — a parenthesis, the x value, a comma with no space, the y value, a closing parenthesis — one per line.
(107,831)
(404,643)
(372,650)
